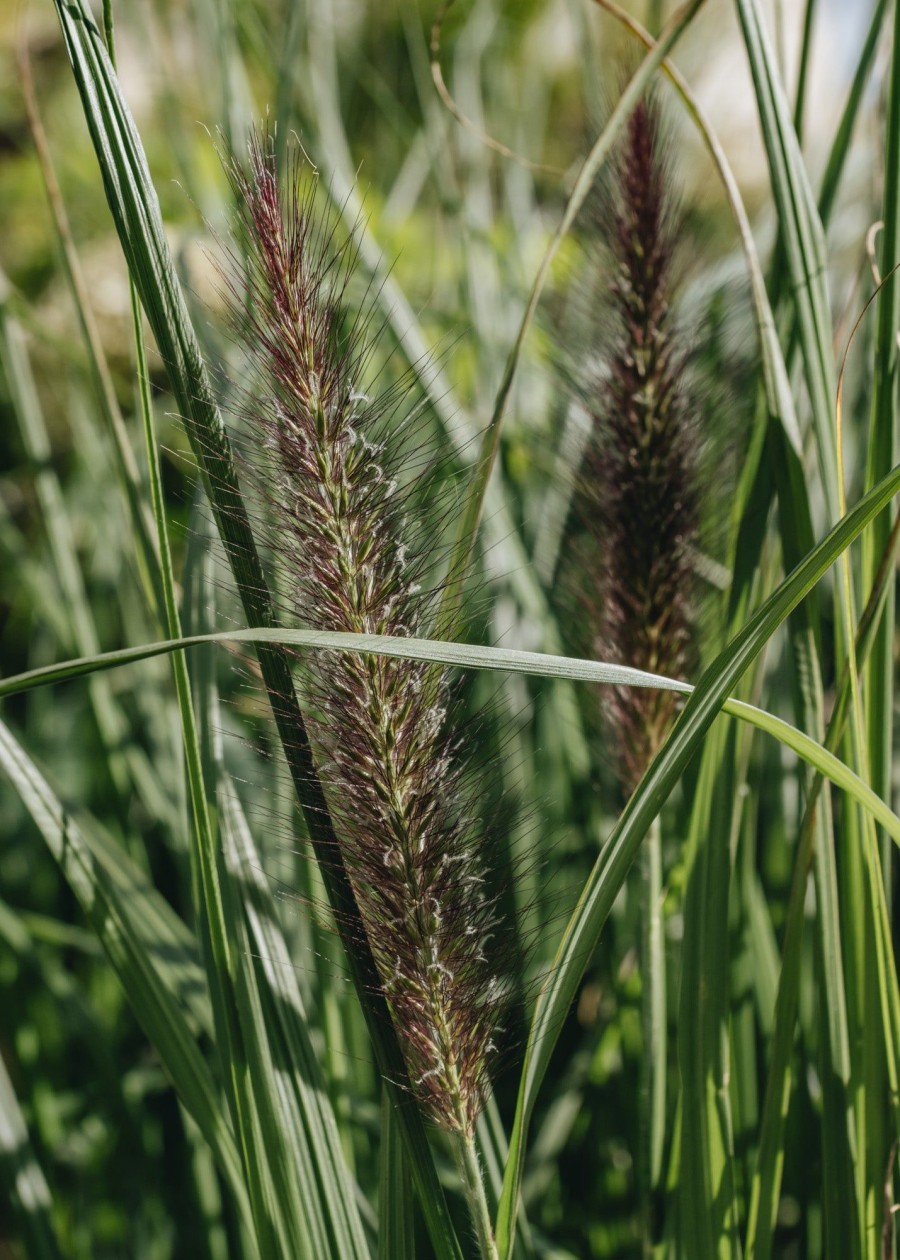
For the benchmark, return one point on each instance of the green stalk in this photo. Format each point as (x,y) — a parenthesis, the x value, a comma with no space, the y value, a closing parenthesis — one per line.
(655,1041)
(803,72)
(472,1181)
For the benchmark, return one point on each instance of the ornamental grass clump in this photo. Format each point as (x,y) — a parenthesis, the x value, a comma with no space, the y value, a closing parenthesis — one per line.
(347,542)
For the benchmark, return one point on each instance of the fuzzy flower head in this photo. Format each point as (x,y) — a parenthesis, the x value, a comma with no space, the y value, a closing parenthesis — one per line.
(392,770)
(638,497)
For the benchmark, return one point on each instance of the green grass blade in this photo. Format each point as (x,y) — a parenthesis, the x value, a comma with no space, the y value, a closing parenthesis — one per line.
(126,464)
(436,651)
(766,1183)
(304,1114)
(882,442)
(471,656)
(164,940)
(706,1189)
(879,675)
(835,1060)
(806,42)
(277,1156)
(113,919)
(396,1232)
(127,767)
(841,146)
(835,1063)
(800,256)
(803,240)
(872,727)
(654,1012)
(22,1178)
(599,894)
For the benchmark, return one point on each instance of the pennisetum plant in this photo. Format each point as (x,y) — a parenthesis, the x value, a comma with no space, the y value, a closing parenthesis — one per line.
(391,768)
(638,505)
(789,1005)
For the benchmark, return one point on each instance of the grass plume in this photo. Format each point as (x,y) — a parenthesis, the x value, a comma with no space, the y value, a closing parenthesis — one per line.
(638,497)
(391,769)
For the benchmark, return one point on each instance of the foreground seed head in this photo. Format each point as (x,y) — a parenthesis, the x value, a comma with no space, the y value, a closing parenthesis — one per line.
(391,770)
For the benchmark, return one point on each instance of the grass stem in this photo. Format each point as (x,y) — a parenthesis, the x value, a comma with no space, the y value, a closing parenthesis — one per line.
(473,1186)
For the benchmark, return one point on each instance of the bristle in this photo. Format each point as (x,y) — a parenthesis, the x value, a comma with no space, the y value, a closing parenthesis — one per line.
(639,494)
(391,771)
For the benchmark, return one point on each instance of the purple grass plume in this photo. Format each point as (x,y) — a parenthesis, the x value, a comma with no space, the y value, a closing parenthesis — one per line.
(391,771)
(638,490)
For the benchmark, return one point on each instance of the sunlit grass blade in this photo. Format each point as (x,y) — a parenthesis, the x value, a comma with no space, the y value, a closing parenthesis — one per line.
(471,656)
(802,237)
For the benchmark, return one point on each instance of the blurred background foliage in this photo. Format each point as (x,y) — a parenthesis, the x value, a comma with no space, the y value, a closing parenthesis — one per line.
(462,230)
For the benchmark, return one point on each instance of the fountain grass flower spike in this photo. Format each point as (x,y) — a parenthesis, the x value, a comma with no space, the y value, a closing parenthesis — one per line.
(392,772)
(639,500)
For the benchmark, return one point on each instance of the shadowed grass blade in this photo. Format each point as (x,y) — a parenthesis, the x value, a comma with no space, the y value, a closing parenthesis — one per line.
(111,917)
(22,1178)
(396,1232)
